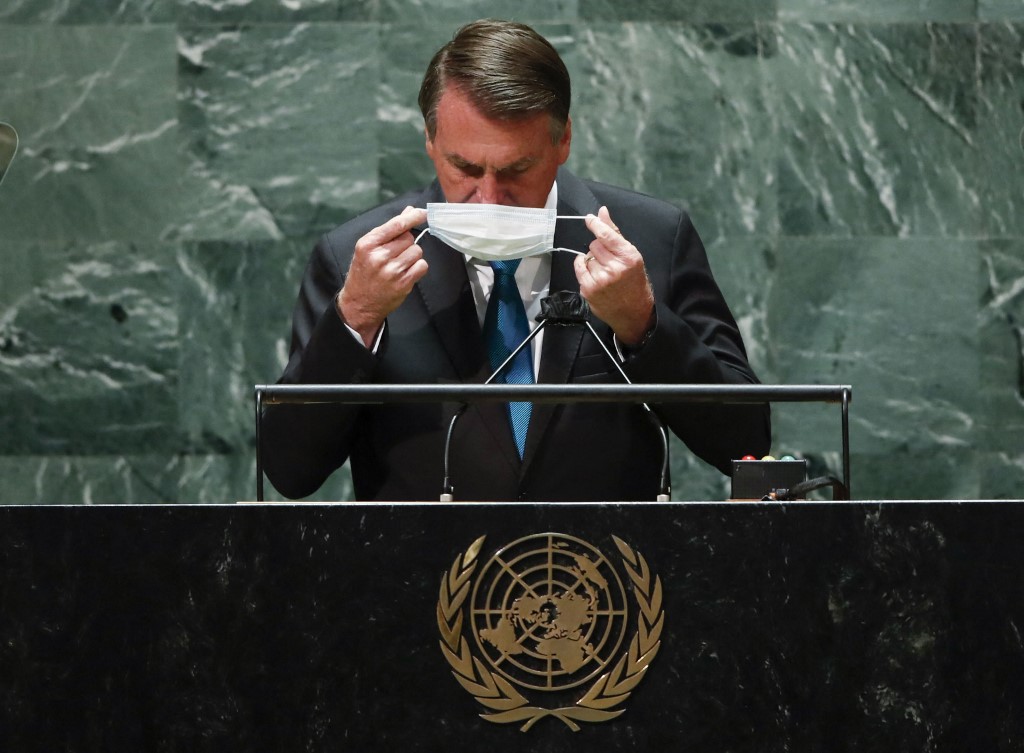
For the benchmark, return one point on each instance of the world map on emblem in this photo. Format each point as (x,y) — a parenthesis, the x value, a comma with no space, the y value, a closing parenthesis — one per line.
(549,612)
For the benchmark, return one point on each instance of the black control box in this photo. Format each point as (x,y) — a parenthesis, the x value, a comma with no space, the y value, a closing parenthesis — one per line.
(756,479)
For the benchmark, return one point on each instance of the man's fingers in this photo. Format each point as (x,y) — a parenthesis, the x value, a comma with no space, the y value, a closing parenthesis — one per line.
(396,226)
(610,244)
(582,270)
(400,265)
(416,271)
(605,216)
(387,252)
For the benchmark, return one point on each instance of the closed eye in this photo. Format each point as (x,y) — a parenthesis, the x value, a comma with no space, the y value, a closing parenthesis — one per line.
(472,170)
(466,168)
(515,170)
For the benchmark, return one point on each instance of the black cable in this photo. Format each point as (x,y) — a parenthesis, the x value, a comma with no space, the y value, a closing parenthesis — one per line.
(800,491)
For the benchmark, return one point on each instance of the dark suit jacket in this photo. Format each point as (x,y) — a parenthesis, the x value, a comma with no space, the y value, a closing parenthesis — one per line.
(573,452)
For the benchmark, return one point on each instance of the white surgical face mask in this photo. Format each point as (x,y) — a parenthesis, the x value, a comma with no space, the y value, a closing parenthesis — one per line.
(492,232)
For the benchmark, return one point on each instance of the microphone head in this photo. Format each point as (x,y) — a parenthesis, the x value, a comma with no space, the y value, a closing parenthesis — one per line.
(8,146)
(563,307)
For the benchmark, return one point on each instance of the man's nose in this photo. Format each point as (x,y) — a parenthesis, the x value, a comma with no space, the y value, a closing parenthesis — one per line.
(488,189)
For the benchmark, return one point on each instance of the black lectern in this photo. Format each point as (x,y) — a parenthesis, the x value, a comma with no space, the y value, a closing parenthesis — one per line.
(503,627)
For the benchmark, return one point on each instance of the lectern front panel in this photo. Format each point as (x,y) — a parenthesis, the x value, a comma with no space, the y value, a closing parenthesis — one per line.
(430,627)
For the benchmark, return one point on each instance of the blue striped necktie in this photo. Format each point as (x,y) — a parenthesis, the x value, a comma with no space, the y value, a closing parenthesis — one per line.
(505,327)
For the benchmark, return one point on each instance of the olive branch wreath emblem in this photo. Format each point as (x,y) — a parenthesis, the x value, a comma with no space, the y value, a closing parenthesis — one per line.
(508,705)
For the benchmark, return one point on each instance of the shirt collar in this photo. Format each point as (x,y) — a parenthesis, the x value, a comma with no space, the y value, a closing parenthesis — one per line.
(552,202)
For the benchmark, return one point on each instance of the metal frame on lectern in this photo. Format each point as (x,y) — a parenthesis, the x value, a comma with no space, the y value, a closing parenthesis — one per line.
(367,394)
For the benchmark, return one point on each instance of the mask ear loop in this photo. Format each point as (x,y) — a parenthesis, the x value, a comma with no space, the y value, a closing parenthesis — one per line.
(570,217)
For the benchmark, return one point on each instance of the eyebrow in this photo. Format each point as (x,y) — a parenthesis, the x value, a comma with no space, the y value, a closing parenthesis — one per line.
(461,162)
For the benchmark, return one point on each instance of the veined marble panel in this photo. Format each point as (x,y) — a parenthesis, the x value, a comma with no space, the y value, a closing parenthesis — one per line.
(878,130)
(273,11)
(1001,474)
(89,350)
(877,11)
(89,11)
(948,473)
(216,479)
(83,479)
(896,319)
(1001,348)
(744,268)
(1001,10)
(404,164)
(679,112)
(95,110)
(236,302)
(453,13)
(279,126)
(1000,132)
(698,11)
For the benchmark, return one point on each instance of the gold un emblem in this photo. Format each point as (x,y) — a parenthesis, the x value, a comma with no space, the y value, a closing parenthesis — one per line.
(548,617)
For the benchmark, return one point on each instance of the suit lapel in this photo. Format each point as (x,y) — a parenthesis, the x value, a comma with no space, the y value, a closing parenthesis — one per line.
(448,299)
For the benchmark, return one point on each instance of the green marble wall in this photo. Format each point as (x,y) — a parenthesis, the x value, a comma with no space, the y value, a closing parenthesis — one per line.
(855,169)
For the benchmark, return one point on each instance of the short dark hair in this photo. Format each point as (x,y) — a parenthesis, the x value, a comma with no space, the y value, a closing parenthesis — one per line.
(507,70)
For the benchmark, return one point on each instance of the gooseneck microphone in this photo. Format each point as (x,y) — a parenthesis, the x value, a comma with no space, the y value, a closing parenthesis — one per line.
(8,147)
(561,309)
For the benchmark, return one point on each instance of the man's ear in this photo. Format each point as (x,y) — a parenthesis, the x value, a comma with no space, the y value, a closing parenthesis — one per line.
(565,142)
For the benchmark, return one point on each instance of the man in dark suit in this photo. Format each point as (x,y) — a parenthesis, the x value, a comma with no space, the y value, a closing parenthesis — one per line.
(378,305)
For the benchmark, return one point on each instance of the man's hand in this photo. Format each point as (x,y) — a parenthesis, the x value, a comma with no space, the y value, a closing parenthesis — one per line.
(385,266)
(614,281)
